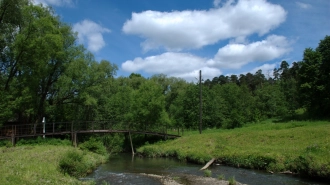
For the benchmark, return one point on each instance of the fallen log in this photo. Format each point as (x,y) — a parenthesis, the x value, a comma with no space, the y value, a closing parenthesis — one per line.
(208,164)
(286,172)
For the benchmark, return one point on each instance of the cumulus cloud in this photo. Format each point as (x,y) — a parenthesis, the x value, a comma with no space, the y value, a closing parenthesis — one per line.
(183,65)
(191,29)
(236,55)
(54,2)
(90,33)
(303,5)
(231,56)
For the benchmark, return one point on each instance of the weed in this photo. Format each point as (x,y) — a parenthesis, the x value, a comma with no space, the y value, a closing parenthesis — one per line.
(221,177)
(207,173)
(232,181)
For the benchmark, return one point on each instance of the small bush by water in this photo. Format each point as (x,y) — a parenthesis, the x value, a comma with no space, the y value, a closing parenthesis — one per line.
(73,163)
(93,145)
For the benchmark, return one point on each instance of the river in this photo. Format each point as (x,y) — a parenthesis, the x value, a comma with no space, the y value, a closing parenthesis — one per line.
(123,169)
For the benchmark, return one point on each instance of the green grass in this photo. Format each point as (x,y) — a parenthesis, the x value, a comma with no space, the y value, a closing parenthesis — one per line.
(40,164)
(207,173)
(232,181)
(300,146)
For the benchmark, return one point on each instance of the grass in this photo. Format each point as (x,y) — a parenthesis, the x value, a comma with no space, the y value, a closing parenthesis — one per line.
(299,146)
(40,164)
(232,181)
(221,177)
(207,173)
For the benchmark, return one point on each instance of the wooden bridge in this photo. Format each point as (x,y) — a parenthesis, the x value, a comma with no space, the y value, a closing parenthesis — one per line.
(73,128)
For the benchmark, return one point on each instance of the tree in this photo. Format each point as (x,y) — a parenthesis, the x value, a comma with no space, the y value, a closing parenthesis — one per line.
(313,79)
(148,105)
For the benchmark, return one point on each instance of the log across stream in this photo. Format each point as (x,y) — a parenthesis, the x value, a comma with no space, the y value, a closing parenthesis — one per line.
(123,169)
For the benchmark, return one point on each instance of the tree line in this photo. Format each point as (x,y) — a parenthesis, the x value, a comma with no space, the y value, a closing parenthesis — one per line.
(44,72)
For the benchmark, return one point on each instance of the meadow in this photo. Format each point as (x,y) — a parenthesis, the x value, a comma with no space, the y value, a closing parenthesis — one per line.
(41,164)
(300,147)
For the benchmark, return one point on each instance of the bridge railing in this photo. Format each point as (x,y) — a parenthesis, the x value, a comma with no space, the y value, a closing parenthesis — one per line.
(23,130)
(35,129)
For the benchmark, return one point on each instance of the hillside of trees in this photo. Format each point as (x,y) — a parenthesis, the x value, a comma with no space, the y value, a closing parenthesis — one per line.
(44,72)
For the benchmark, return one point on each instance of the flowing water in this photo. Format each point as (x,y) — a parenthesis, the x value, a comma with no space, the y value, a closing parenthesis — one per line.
(123,169)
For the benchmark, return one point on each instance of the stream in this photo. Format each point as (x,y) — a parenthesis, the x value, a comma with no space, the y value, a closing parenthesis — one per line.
(123,169)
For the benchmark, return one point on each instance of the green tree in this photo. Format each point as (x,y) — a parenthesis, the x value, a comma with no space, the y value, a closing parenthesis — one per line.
(313,79)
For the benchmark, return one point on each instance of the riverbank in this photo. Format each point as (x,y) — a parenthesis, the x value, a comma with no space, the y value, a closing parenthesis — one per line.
(180,179)
(40,164)
(295,147)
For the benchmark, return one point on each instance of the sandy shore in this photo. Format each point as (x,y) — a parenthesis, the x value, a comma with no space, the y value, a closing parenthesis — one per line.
(185,179)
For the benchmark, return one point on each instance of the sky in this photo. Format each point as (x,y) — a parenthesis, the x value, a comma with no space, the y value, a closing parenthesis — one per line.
(180,37)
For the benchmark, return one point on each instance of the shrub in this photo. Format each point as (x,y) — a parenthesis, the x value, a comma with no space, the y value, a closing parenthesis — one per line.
(42,141)
(72,163)
(94,145)
(113,143)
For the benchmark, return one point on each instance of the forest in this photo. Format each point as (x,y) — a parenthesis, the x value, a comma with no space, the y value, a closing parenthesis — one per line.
(44,72)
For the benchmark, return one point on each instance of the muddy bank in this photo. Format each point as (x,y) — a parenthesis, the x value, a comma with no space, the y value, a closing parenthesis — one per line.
(185,179)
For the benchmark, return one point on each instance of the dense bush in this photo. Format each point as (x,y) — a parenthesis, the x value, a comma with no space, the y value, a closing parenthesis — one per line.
(94,145)
(73,163)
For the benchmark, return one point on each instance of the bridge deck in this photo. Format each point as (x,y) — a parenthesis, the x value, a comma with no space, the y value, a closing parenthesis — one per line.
(31,130)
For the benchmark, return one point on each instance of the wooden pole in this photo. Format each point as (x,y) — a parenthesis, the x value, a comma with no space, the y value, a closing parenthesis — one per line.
(200,101)
(75,139)
(130,138)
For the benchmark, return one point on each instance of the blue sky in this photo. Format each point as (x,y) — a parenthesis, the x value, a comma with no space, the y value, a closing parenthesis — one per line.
(180,37)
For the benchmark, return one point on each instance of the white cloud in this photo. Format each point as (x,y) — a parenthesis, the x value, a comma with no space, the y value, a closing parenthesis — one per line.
(183,65)
(54,2)
(233,55)
(236,55)
(191,29)
(90,33)
(303,5)
(216,3)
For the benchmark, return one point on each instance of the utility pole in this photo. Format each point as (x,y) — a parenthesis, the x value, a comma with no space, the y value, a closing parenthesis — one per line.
(200,102)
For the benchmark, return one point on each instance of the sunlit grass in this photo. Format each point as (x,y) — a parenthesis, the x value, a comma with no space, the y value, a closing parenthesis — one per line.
(300,146)
(37,165)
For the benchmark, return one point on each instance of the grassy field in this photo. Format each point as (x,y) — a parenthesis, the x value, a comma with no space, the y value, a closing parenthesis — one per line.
(39,164)
(301,147)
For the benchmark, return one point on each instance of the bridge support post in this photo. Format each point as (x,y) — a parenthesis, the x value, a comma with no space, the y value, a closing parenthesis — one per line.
(13,138)
(130,138)
(74,142)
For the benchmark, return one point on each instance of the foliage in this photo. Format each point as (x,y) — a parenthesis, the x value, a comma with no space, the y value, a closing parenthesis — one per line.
(93,145)
(44,72)
(43,141)
(113,143)
(72,163)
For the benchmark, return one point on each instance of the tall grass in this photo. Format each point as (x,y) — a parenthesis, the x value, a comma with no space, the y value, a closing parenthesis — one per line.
(39,164)
(300,146)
